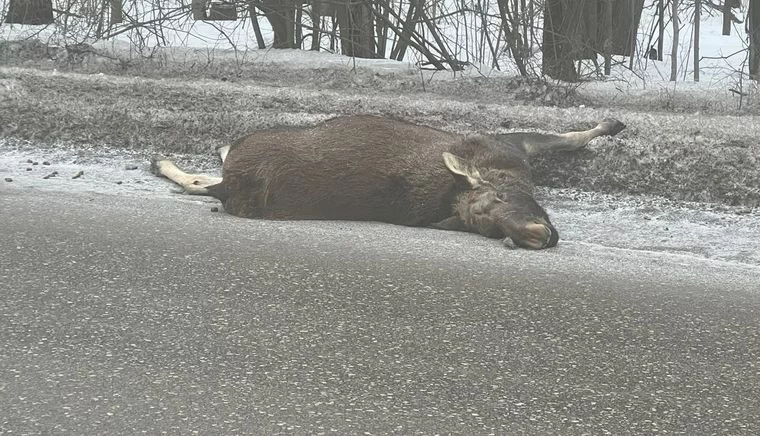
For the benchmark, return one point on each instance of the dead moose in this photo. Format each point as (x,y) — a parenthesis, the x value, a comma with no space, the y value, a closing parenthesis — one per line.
(381,169)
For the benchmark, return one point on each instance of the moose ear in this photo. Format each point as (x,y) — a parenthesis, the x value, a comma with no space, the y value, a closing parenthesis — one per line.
(461,167)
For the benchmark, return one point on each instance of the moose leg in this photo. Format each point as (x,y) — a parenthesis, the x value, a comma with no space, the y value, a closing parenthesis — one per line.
(194,184)
(537,143)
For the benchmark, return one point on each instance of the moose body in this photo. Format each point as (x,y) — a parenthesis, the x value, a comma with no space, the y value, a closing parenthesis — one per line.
(377,169)
(382,169)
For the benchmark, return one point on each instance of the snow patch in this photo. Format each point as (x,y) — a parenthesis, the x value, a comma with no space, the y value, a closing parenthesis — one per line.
(636,223)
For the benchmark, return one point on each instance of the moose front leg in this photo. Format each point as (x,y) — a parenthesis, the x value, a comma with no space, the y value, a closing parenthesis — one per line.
(537,143)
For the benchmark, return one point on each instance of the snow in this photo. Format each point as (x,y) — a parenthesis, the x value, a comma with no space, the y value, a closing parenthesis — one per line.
(723,56)
(723,66)
(583,219)
(595,221)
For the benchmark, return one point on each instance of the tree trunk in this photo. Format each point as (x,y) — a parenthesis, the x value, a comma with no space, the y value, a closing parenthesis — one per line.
(256,27)
(754,39)
(661,29)
(356,25)
(412,39)
(281,16)
(634,31)
(299,26)
(412,15)
(117,12)
(697,17)
(558,59)
(198,7)
(381,29)
(333,39)
(34,12)
(607,44)
(674,49)
(726,17)
(523,17)
(455,66)
(512,37)
(531,20)
(626,15)
(316,24)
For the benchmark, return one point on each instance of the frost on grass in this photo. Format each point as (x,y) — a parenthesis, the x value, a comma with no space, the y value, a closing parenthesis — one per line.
(584,219)
(178,108)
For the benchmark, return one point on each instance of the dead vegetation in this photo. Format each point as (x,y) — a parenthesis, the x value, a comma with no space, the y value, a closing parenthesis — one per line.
(704,157)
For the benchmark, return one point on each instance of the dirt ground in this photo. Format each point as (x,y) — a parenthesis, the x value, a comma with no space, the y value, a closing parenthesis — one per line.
(182,107)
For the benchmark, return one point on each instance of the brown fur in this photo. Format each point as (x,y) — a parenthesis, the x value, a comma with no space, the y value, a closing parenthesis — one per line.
(375,169)
(381,169)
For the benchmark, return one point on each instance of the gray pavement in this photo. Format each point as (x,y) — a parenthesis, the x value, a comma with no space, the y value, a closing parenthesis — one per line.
(125,314)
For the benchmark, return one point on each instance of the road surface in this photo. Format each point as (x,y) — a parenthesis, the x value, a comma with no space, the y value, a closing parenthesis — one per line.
(144,313)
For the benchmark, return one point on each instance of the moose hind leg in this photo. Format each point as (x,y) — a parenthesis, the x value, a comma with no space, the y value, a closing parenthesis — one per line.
(195,184)
(537,143)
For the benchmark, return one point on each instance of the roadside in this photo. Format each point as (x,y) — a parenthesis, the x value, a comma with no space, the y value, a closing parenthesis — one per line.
(589,221)
(692,157)
(672,181)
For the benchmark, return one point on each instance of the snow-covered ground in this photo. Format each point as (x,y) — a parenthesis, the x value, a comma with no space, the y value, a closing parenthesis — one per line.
(624,222)
(690,230)
(723,58)
(723,83)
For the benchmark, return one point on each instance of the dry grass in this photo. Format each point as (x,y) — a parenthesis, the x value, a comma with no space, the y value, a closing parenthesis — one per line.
(722,172)
(185,108)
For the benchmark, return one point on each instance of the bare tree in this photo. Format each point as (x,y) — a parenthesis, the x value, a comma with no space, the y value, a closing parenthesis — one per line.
(660,29)
(357,29)
(281,16)
(607,32)
(697,17)
(726,17)
(30,12)
(256,27)
(674,49)
(412,16)
(512,36)
(117,12)
(558,58)
(753,31)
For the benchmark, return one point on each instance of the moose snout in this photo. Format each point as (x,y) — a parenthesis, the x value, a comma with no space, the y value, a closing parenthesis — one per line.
(538,235)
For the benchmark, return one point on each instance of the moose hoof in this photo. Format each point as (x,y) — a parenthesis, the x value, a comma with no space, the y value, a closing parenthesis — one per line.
(611,126)
(155,165)
(509,243)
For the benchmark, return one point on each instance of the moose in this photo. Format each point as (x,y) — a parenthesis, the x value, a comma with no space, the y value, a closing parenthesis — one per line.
(375,168)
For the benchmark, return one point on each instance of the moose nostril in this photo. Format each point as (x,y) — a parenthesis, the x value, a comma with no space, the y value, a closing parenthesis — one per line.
(539,236)
(553,237)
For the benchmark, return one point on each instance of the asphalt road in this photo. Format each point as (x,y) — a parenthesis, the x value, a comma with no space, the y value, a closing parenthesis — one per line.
(130,314)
